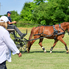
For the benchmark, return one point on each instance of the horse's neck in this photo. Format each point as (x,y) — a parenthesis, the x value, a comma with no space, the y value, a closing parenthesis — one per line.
(64,25)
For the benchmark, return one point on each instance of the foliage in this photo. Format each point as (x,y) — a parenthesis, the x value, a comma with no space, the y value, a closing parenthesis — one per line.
(43,12)
(53,11)
(39,1)
(27,10)
(15,16)
(46,13)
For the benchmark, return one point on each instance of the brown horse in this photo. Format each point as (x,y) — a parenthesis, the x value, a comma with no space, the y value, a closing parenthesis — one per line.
(55,32)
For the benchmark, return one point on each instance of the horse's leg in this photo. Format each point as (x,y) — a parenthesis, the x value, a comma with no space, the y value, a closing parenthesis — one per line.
(40,43)
(30,44)
(53,45)
(60,38)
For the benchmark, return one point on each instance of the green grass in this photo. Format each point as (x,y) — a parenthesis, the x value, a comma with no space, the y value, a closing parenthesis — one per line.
(37,59)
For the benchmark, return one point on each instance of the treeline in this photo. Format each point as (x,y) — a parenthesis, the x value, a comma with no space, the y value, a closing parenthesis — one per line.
(40,12)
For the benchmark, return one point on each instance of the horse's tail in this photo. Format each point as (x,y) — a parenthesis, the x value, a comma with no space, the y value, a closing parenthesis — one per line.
(31,34)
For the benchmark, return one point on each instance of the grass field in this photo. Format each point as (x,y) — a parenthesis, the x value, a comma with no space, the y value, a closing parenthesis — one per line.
(37,59)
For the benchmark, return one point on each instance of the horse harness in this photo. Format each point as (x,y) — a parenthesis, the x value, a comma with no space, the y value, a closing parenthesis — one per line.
(45,35)
(55,33)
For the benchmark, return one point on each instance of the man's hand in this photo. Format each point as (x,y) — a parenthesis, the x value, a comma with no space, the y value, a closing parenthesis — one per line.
(19,54)
(14,22)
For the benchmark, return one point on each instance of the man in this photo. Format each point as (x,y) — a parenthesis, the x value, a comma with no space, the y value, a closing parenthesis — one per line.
(6,44)
(11,26)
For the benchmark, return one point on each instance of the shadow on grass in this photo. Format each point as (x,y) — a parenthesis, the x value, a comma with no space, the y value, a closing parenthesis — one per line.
(58,51)
(47,52)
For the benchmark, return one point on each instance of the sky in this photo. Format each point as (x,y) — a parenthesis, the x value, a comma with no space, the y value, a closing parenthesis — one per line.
(10,5)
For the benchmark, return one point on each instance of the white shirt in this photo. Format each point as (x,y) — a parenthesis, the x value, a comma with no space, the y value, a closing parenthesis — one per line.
(6,45)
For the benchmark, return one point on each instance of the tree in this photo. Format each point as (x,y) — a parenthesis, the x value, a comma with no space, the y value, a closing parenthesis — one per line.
(15,16)
(51,12)
(27,11)
(46,13)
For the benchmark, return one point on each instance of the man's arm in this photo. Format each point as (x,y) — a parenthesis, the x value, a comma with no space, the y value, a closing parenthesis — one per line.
(11,45)
(14,22)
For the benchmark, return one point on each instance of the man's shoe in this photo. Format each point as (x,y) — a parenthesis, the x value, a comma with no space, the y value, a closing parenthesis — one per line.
(22,36)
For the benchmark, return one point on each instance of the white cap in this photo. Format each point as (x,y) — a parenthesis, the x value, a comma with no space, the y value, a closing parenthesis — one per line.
(1,20)
(4,18)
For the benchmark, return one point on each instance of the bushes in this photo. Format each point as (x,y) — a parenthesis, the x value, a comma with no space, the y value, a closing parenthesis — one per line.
(26,24)
(40,12)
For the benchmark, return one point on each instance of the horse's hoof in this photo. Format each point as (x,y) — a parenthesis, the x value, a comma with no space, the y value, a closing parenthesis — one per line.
(50,51)
(44,51)
(67,52)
